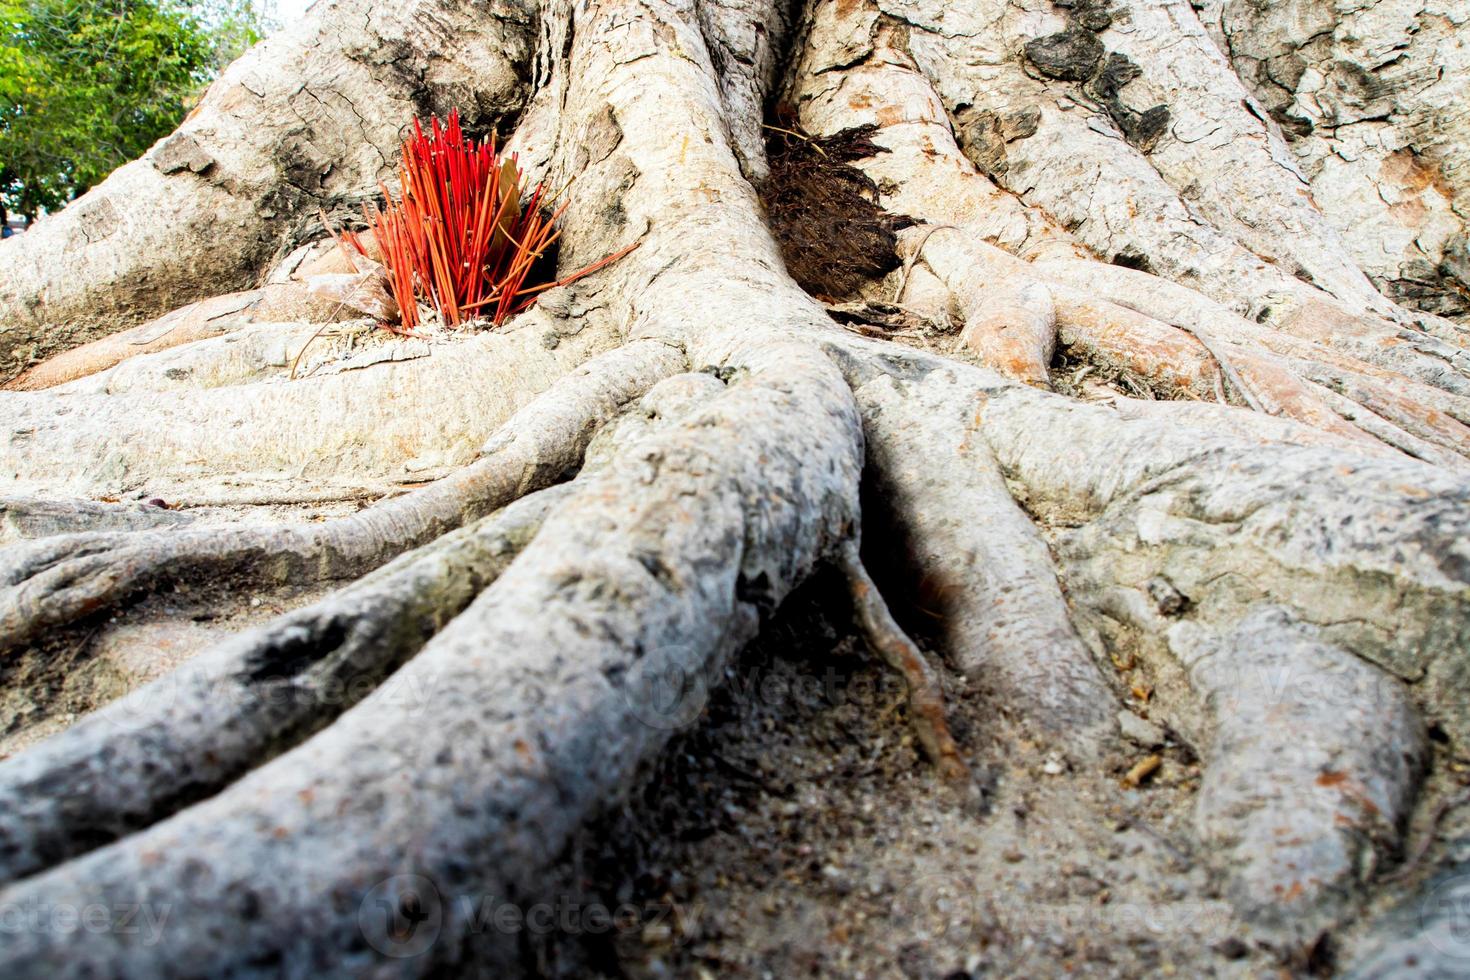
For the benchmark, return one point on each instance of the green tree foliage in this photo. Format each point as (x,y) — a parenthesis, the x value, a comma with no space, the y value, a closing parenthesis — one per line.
(87,85)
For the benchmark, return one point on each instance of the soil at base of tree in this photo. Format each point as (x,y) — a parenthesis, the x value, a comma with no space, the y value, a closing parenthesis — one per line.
(796,831)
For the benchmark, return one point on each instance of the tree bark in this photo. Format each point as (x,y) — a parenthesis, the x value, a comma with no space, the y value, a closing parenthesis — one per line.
(1178,416)
(304,122)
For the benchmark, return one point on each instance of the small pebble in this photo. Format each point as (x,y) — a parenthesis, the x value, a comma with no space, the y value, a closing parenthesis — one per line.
(1140,731)
(1232,948)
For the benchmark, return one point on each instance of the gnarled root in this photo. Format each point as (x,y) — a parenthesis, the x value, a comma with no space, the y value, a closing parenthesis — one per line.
(665,561)
(1075,556)
(215,317)
(38,517)
(1188,359)
(983,571)
(253,696)
(190,733)
(1306,808)
(1185,543)
(56,581)
(326,430)
(888,640)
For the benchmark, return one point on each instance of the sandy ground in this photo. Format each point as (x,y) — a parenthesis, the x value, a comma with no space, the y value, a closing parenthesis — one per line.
(796,831)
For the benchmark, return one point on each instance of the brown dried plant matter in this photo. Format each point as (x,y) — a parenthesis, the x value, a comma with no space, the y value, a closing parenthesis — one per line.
(824,212)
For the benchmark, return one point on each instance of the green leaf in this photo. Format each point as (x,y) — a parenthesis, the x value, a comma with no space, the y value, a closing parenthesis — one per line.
(87,85)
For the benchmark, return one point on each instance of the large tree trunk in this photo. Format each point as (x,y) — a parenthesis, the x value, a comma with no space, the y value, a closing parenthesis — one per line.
(304,123)
(1156,425)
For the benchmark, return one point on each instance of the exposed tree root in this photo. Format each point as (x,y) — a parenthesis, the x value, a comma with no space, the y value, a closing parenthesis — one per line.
(1304,807)
(1009,316)
(249,354)
(1174,304)
(888,640)
(1233,552)
(329,429)
(539,685)
(56,581)
(1292,691)
(184,737)
(272,303)
(984,573)
(1389,522)
(1014,329)
(1363,345)
(37,517)
(1281,589)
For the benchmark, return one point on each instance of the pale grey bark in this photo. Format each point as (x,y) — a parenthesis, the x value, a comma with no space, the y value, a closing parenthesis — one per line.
(674,553)
(55,581)
(1372,101)
(1081,551)
(306,120)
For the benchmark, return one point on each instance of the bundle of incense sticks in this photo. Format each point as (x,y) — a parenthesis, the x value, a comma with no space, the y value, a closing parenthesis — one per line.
(464,236)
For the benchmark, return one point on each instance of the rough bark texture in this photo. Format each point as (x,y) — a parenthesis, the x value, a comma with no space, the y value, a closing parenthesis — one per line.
(1371,100)
(305,121)
(1157,438)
